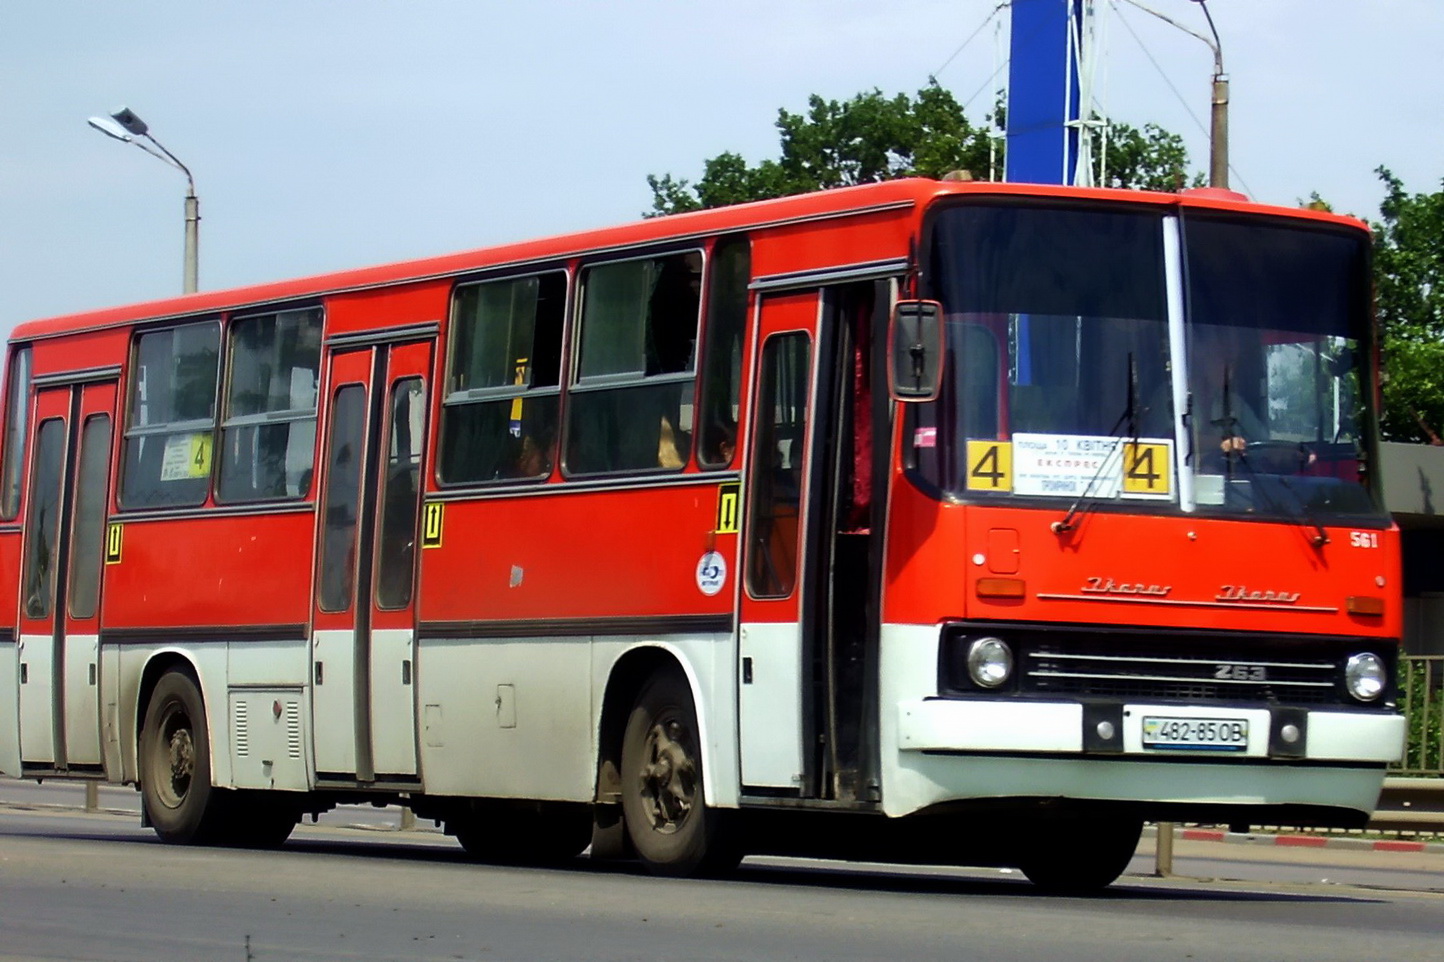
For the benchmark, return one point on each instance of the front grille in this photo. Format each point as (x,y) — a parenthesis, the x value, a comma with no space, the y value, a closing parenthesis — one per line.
(1183,677)
(1137,664)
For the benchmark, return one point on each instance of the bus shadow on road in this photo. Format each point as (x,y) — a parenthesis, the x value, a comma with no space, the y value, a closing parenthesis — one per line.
(430,848)
(842,876)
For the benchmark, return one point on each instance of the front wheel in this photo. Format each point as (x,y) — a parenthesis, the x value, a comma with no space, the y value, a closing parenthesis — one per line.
(175,763)
(1080,855)
(671,828)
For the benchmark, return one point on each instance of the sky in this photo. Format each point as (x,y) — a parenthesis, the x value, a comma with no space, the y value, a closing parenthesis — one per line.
(330,134)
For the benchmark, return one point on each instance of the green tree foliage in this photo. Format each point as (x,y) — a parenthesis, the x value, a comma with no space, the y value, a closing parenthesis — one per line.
(1147,159)
(834,143)
(1409,296)
(873,137)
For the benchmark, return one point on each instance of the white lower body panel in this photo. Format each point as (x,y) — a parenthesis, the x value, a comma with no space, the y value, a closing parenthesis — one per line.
(9,709)
(770,704)
(37,699)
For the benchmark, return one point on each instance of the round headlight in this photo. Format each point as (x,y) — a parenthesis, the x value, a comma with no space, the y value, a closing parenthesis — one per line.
(990,662)
(1365,676)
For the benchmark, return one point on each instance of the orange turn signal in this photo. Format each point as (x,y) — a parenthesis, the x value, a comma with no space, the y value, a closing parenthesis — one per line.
(1012,588)
(1364,605)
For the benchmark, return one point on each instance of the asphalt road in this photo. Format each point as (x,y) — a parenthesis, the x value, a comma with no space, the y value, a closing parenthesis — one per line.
(97,886)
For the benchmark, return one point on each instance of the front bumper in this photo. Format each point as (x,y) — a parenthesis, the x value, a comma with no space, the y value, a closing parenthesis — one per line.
(996,726)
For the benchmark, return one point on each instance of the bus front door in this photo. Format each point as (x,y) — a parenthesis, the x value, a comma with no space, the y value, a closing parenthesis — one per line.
(65,528)
(363,650)
(775,709)
(816,483)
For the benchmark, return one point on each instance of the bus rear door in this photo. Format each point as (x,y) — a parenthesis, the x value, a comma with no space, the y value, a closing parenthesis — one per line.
(363,650)
(65,528)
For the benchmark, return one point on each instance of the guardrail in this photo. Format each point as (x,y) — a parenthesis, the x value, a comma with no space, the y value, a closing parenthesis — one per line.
(1410,805)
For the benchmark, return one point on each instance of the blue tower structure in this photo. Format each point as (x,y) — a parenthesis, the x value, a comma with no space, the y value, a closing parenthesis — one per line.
(1043,91)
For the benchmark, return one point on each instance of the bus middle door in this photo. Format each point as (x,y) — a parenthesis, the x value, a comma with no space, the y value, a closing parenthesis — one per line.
(363,650)
(65,525)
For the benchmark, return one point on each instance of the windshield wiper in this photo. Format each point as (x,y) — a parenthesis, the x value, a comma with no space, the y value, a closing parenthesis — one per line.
(1128,417)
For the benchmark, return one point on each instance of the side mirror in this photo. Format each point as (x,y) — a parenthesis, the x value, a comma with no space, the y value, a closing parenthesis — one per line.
(915,351)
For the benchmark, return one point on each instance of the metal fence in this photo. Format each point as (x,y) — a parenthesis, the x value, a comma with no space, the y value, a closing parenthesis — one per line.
(1421,697)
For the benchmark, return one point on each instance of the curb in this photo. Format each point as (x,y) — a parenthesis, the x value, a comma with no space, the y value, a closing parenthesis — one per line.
(1300,841)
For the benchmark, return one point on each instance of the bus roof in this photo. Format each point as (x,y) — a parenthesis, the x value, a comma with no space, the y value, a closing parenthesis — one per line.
(903,192)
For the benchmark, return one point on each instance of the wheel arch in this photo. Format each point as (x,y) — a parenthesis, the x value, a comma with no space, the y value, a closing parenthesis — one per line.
(156,667)
(624,683)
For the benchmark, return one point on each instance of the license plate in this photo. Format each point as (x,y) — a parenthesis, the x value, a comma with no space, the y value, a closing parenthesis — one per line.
(1196,734)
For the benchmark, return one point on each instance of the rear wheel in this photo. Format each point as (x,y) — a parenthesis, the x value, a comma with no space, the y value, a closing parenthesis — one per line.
(671,828)
(175,763)
(1080,855)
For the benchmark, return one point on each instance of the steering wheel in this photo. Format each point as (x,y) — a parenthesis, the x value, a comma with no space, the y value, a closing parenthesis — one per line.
(1278,457)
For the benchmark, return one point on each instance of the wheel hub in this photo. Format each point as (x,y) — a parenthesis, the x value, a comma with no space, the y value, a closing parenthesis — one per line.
(669,778)
(181,754)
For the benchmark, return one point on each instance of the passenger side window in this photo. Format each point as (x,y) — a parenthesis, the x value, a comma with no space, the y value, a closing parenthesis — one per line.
(499,417)
(341,503)
(268,435)
(401,495)
(17,413)
(171,417)
(731,271)
(87,539)
(42,527)
(775,499)
(630,406)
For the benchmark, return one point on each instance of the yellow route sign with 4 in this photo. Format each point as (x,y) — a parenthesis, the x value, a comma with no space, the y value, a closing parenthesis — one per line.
(1146,469)
(990,466)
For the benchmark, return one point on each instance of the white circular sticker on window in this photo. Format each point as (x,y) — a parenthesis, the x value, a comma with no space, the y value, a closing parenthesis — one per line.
(711,573)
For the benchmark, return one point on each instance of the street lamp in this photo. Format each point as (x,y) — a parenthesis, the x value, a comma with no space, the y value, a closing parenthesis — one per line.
(1218,131)
(125,126)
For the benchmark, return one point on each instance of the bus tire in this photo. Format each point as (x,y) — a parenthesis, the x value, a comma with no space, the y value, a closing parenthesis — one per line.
(673,832)
(175,763)
(1080,856)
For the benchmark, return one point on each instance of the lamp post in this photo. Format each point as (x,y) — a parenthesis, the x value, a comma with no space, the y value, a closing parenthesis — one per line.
(125,126)
(1218,130)
(1218,127)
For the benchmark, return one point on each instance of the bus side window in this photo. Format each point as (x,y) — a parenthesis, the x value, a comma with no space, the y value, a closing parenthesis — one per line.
(499,417)
(726,321)
(341,502)
(42,543)
(268,435)
(631,400)
(171,417)
(400,495)
(17,411)
(776,487)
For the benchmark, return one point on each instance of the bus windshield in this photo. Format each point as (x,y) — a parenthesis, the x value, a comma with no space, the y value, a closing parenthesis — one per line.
(1068,377)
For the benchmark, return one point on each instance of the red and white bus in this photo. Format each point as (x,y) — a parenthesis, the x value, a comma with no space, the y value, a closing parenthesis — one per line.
(939,521)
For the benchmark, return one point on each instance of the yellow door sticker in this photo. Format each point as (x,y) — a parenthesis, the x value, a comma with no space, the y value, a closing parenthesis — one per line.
(990,465)
(1146,468)
(431,525)
(727,502)
(112,542)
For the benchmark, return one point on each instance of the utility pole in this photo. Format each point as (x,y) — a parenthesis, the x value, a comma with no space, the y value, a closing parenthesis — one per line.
(1218,127)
